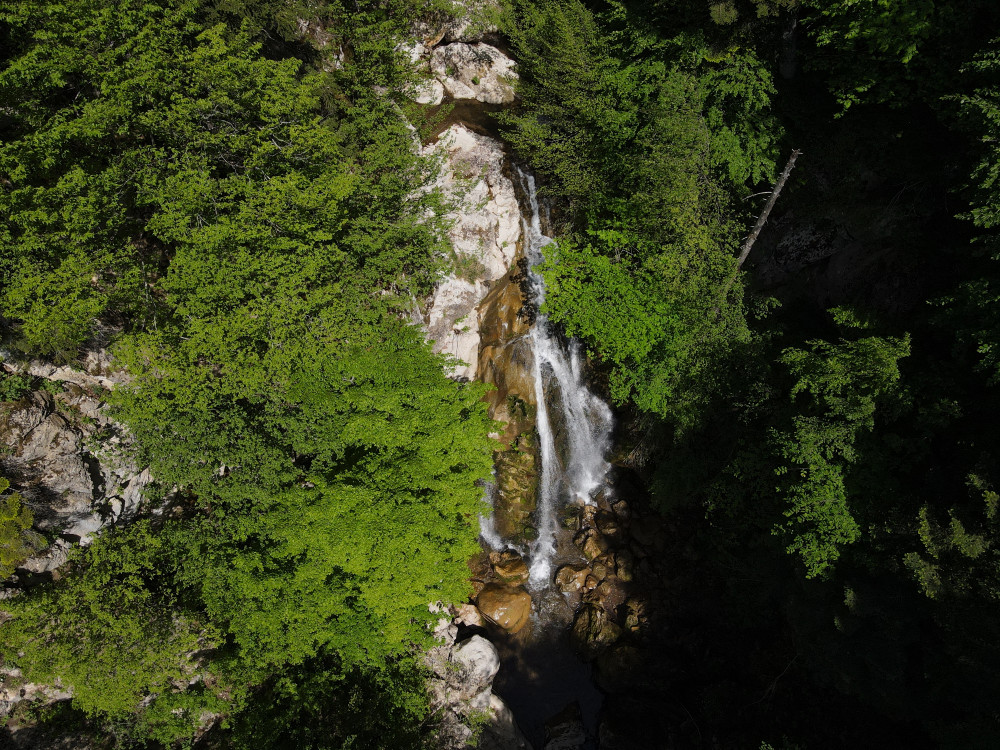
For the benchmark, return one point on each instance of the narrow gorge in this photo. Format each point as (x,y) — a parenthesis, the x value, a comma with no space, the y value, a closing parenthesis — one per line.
(552,585)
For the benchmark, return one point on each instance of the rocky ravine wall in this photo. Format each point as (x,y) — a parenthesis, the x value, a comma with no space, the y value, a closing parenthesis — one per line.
(70,463)
(482,319)
(478,318)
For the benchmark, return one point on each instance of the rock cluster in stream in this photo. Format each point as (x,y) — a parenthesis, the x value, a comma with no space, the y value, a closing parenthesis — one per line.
(609,589)
(611,609)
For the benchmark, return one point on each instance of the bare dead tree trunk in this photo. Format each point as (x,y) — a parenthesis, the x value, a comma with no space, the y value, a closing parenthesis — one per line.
(761,221)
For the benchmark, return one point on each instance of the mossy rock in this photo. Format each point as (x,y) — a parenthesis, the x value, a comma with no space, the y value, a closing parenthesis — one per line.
(517,488)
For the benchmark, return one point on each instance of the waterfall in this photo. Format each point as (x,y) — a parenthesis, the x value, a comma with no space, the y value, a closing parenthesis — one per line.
(574,473)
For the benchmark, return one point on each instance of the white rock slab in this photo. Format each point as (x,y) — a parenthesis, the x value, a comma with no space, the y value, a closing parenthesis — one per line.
(475,71)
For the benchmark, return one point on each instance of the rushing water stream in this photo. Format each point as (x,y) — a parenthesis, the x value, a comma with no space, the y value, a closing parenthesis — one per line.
(574,473)
(540,671)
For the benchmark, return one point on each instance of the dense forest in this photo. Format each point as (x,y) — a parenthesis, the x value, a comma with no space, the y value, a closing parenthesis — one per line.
(226,193)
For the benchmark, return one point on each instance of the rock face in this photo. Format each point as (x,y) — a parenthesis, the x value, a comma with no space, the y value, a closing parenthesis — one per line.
(474,71)
(48,450)
(486,228)
(67,457)
(506,358)
(480,299)
(460,690)
(508,607)
(453,322)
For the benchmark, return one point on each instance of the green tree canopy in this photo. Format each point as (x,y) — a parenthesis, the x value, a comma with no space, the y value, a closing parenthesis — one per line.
(259,232)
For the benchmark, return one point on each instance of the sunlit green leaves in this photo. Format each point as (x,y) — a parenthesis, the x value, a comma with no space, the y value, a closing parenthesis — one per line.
(259,232)
(837,386)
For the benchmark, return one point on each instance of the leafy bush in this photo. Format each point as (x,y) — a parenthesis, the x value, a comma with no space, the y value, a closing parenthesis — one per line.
(17,541)
(14,386)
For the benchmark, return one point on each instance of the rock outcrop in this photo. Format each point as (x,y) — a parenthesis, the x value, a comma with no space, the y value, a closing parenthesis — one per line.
(507,606)
(474,71)
(461,696)
(486,228)
(66,457)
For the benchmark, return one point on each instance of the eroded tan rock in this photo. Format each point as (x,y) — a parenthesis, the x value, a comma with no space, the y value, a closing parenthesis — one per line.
(571,578)
(509,566)
(508,607)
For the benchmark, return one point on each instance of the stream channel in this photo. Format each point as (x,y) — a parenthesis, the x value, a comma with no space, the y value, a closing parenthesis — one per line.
(541,674)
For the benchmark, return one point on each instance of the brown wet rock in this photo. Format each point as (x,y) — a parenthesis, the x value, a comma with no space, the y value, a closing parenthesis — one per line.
(600,568)
(571,578)
(611,594)
(622,511)
(499,313)
(508,607)
(569,518)
(509,566)
(590,582)
(593,631)
(517,488)
(603,499)
(506,359)
(636,613)
(607,524)
(594,545)
(624,564)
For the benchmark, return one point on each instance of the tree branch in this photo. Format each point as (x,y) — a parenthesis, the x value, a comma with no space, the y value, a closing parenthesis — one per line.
(761,221)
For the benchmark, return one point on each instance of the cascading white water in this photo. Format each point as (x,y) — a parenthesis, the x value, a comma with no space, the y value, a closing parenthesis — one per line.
(587,419)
